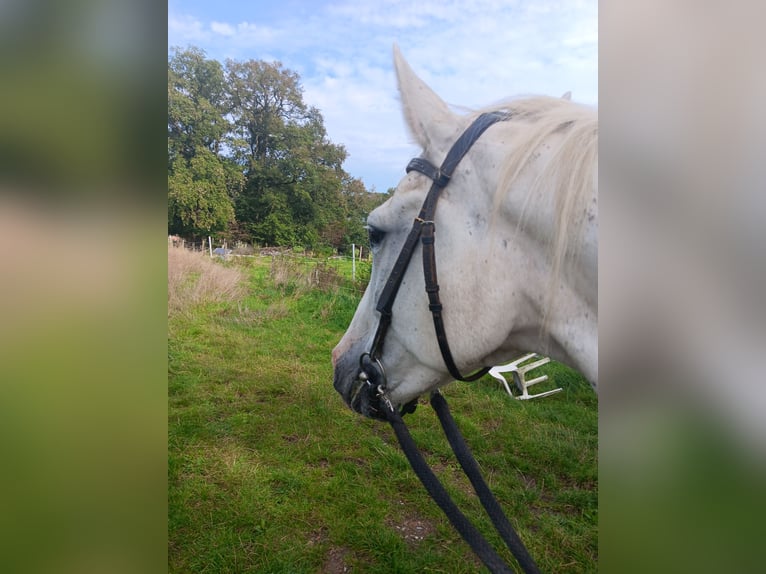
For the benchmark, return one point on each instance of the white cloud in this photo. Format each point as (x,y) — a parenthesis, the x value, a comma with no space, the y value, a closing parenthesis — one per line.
(222,28)
(184,29)
(250,35)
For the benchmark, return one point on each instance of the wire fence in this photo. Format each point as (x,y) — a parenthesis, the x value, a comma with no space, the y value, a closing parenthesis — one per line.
(326,273)
(346,272)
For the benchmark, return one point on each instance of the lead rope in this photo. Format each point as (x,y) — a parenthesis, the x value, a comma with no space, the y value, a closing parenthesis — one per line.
(470,534)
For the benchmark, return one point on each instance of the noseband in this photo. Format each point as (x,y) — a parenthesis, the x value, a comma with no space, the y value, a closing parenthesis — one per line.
(371,373)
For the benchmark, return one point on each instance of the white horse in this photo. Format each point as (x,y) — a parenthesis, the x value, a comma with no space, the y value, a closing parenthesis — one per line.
(516,241)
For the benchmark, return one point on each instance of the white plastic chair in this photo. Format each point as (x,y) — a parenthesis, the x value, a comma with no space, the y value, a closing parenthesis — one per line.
(518,372)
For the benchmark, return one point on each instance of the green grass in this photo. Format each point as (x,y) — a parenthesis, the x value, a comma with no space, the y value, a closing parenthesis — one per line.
(270,472)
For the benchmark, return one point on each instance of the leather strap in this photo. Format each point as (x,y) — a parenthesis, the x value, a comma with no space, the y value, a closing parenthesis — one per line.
(435,306)
(429,170)
(473,472)
(423,229)
(462,524)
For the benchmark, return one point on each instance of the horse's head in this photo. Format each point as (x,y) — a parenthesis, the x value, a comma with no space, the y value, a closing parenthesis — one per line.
(493,255)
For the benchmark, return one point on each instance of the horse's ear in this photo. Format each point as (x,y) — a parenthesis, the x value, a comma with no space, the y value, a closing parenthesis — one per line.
(428,117)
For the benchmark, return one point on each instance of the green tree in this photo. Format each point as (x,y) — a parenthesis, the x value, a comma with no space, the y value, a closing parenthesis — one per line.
(201,182)
(196,104)
(250,160)
(198,203)
(263,98)
(291,168)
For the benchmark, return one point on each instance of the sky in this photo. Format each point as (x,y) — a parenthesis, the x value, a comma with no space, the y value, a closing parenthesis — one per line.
(471,52)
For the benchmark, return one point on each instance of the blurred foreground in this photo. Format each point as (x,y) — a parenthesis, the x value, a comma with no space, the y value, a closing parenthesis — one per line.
(682,436)
(82,297)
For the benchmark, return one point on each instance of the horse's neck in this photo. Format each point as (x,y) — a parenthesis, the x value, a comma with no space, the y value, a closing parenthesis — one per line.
(559,316)
(573,332)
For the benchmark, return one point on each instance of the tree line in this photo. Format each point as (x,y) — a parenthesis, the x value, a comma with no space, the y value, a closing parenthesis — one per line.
(249,160)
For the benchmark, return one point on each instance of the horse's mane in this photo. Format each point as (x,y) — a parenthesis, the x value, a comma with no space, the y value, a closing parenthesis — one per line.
(569,176)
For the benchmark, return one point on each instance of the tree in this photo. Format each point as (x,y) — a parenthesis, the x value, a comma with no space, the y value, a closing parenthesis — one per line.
(248,158)
(289,162)
(200,181)
(196,104)
(198,204)
(263,98)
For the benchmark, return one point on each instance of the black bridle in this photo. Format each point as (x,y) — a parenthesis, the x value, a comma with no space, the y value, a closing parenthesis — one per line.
(372,376)
(370,367)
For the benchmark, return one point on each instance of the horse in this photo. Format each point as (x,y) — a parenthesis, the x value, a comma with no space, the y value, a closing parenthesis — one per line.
(514,237)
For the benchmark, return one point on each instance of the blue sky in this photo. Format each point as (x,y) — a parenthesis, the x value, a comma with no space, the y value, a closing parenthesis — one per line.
(471,52)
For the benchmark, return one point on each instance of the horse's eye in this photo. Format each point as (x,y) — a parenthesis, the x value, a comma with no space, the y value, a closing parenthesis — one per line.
(375,235)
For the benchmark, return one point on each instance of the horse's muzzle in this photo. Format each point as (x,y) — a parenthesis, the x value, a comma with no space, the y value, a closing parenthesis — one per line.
(361,386)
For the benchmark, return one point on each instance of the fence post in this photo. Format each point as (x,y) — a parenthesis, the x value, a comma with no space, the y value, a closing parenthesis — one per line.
(353,262)
(210,245)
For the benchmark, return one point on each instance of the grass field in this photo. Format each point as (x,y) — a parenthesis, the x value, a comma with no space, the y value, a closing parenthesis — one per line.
(270,472)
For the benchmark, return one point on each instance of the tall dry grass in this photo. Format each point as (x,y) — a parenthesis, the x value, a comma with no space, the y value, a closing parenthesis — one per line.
(305,275)
(194,278)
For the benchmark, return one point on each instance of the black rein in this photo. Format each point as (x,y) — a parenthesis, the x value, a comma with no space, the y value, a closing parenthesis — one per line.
(371,368)
(468,531)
